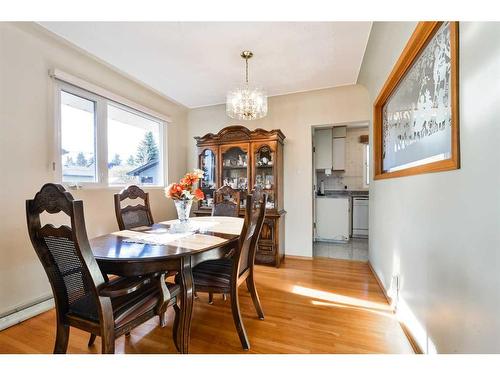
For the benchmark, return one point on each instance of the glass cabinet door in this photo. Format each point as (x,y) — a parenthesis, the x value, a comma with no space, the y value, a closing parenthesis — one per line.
(235,170)
(208,183)
(264,173)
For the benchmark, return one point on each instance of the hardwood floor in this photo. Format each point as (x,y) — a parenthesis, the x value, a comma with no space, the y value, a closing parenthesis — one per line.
(318,306)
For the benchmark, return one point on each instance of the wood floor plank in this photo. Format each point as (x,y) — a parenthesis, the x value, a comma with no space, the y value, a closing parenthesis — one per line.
(310,306)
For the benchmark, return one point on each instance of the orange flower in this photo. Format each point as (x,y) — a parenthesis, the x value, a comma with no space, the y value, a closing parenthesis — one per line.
(186,182)
(190,179)
(199,194)
(174,191)
(184,189)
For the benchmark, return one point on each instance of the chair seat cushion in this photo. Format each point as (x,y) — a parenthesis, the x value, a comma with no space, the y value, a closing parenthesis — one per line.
(214,274)
(125,308)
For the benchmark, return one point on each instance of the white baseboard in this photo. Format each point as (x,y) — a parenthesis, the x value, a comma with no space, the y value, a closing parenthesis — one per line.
(26,313)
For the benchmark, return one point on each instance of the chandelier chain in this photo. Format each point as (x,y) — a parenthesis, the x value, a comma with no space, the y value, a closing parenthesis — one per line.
(246,62)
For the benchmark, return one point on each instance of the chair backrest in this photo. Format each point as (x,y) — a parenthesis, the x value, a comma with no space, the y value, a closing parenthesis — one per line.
(133,216)
(65,252)
(257,194)
(254,218)
(226,202)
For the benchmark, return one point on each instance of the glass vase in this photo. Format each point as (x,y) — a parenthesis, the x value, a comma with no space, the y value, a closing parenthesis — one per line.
(183,208)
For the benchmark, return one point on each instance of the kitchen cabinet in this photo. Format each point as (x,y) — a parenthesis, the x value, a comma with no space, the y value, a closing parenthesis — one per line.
(323,148)
(338,163)
(339,135)
(332,218)
(329,147)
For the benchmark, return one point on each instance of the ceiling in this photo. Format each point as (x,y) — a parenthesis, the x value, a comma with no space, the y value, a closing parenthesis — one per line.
(196,63)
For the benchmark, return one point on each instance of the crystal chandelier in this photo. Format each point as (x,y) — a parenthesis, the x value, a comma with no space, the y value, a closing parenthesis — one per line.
(246,102)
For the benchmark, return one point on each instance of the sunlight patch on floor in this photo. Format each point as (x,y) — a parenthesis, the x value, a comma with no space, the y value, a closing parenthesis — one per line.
(386,314)
(339,298)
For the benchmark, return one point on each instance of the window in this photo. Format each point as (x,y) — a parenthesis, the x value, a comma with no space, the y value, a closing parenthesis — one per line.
(102,142)
(133,148)
(366,169)
(77,139)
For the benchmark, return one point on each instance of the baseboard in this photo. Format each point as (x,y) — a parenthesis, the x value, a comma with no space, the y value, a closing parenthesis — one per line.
(26,313)
(298,257)
(411,339)
(416,348)
(380,284)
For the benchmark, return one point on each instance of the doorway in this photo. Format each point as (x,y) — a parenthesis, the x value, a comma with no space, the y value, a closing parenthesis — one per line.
(340,191)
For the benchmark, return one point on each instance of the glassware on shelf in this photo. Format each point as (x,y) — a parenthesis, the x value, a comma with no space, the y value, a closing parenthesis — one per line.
(264,157)
(269,180)
(242,183)
(208,182)
(207,165)
(259,181)
(234,168)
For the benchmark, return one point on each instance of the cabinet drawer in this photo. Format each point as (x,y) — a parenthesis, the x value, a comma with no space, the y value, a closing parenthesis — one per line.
(265,248)
(265,258)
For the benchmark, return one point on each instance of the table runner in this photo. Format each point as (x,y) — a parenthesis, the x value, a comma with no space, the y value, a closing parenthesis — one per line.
(219,224)
(189,240)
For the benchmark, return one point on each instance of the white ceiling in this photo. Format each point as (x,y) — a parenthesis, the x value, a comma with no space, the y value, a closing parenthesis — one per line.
(196,63)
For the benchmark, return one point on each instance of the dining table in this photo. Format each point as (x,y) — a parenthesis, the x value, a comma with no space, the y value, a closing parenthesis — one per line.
(162,248)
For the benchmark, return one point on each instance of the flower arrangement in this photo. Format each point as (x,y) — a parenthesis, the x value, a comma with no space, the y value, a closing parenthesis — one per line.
(185,188)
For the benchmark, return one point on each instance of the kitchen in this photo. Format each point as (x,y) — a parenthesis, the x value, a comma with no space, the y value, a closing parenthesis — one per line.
(341,191)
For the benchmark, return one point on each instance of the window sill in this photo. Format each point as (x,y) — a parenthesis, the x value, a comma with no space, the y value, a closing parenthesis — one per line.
(116,188)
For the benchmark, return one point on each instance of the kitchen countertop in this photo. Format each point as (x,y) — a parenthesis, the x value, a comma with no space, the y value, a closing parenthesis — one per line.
(342,193)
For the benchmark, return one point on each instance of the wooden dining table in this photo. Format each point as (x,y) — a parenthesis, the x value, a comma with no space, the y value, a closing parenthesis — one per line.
(148,250)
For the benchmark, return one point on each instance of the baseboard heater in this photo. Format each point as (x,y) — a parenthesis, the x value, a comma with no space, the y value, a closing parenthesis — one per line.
(25,312)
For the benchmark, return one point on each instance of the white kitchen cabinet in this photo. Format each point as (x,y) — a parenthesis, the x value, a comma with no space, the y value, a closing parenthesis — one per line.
(323,148)
(339,131)
(329,147)
(332,218)
(338,162)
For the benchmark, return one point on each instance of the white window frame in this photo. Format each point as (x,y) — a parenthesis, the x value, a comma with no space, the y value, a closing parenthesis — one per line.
(101,136)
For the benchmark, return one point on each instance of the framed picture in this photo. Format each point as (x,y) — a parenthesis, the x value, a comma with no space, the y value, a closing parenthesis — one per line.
(415,120)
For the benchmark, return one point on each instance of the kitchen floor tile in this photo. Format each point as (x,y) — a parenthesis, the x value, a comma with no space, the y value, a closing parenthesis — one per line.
(355,249)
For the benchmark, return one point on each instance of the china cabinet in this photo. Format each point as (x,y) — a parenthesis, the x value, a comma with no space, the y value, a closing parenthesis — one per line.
(243,158)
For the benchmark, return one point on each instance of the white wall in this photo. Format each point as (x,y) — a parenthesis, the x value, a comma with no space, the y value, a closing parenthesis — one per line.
(294,114)
(440,231)
(26,54)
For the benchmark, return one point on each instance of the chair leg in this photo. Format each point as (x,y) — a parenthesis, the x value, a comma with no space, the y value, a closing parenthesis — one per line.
(177,311)
(210,298)
(108,343)
(62,337)
(163,319)
(238,322)
(91,339)
(255,297)
(107,324)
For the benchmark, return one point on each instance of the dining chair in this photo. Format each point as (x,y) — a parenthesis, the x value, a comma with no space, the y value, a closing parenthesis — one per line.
(133,216)
(226,275)
(226,202)
(84,297)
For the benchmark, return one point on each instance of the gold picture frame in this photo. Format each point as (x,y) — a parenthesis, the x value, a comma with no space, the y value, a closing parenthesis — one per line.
(423,34)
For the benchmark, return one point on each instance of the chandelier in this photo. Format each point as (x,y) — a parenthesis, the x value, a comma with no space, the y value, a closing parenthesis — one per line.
(246,102)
